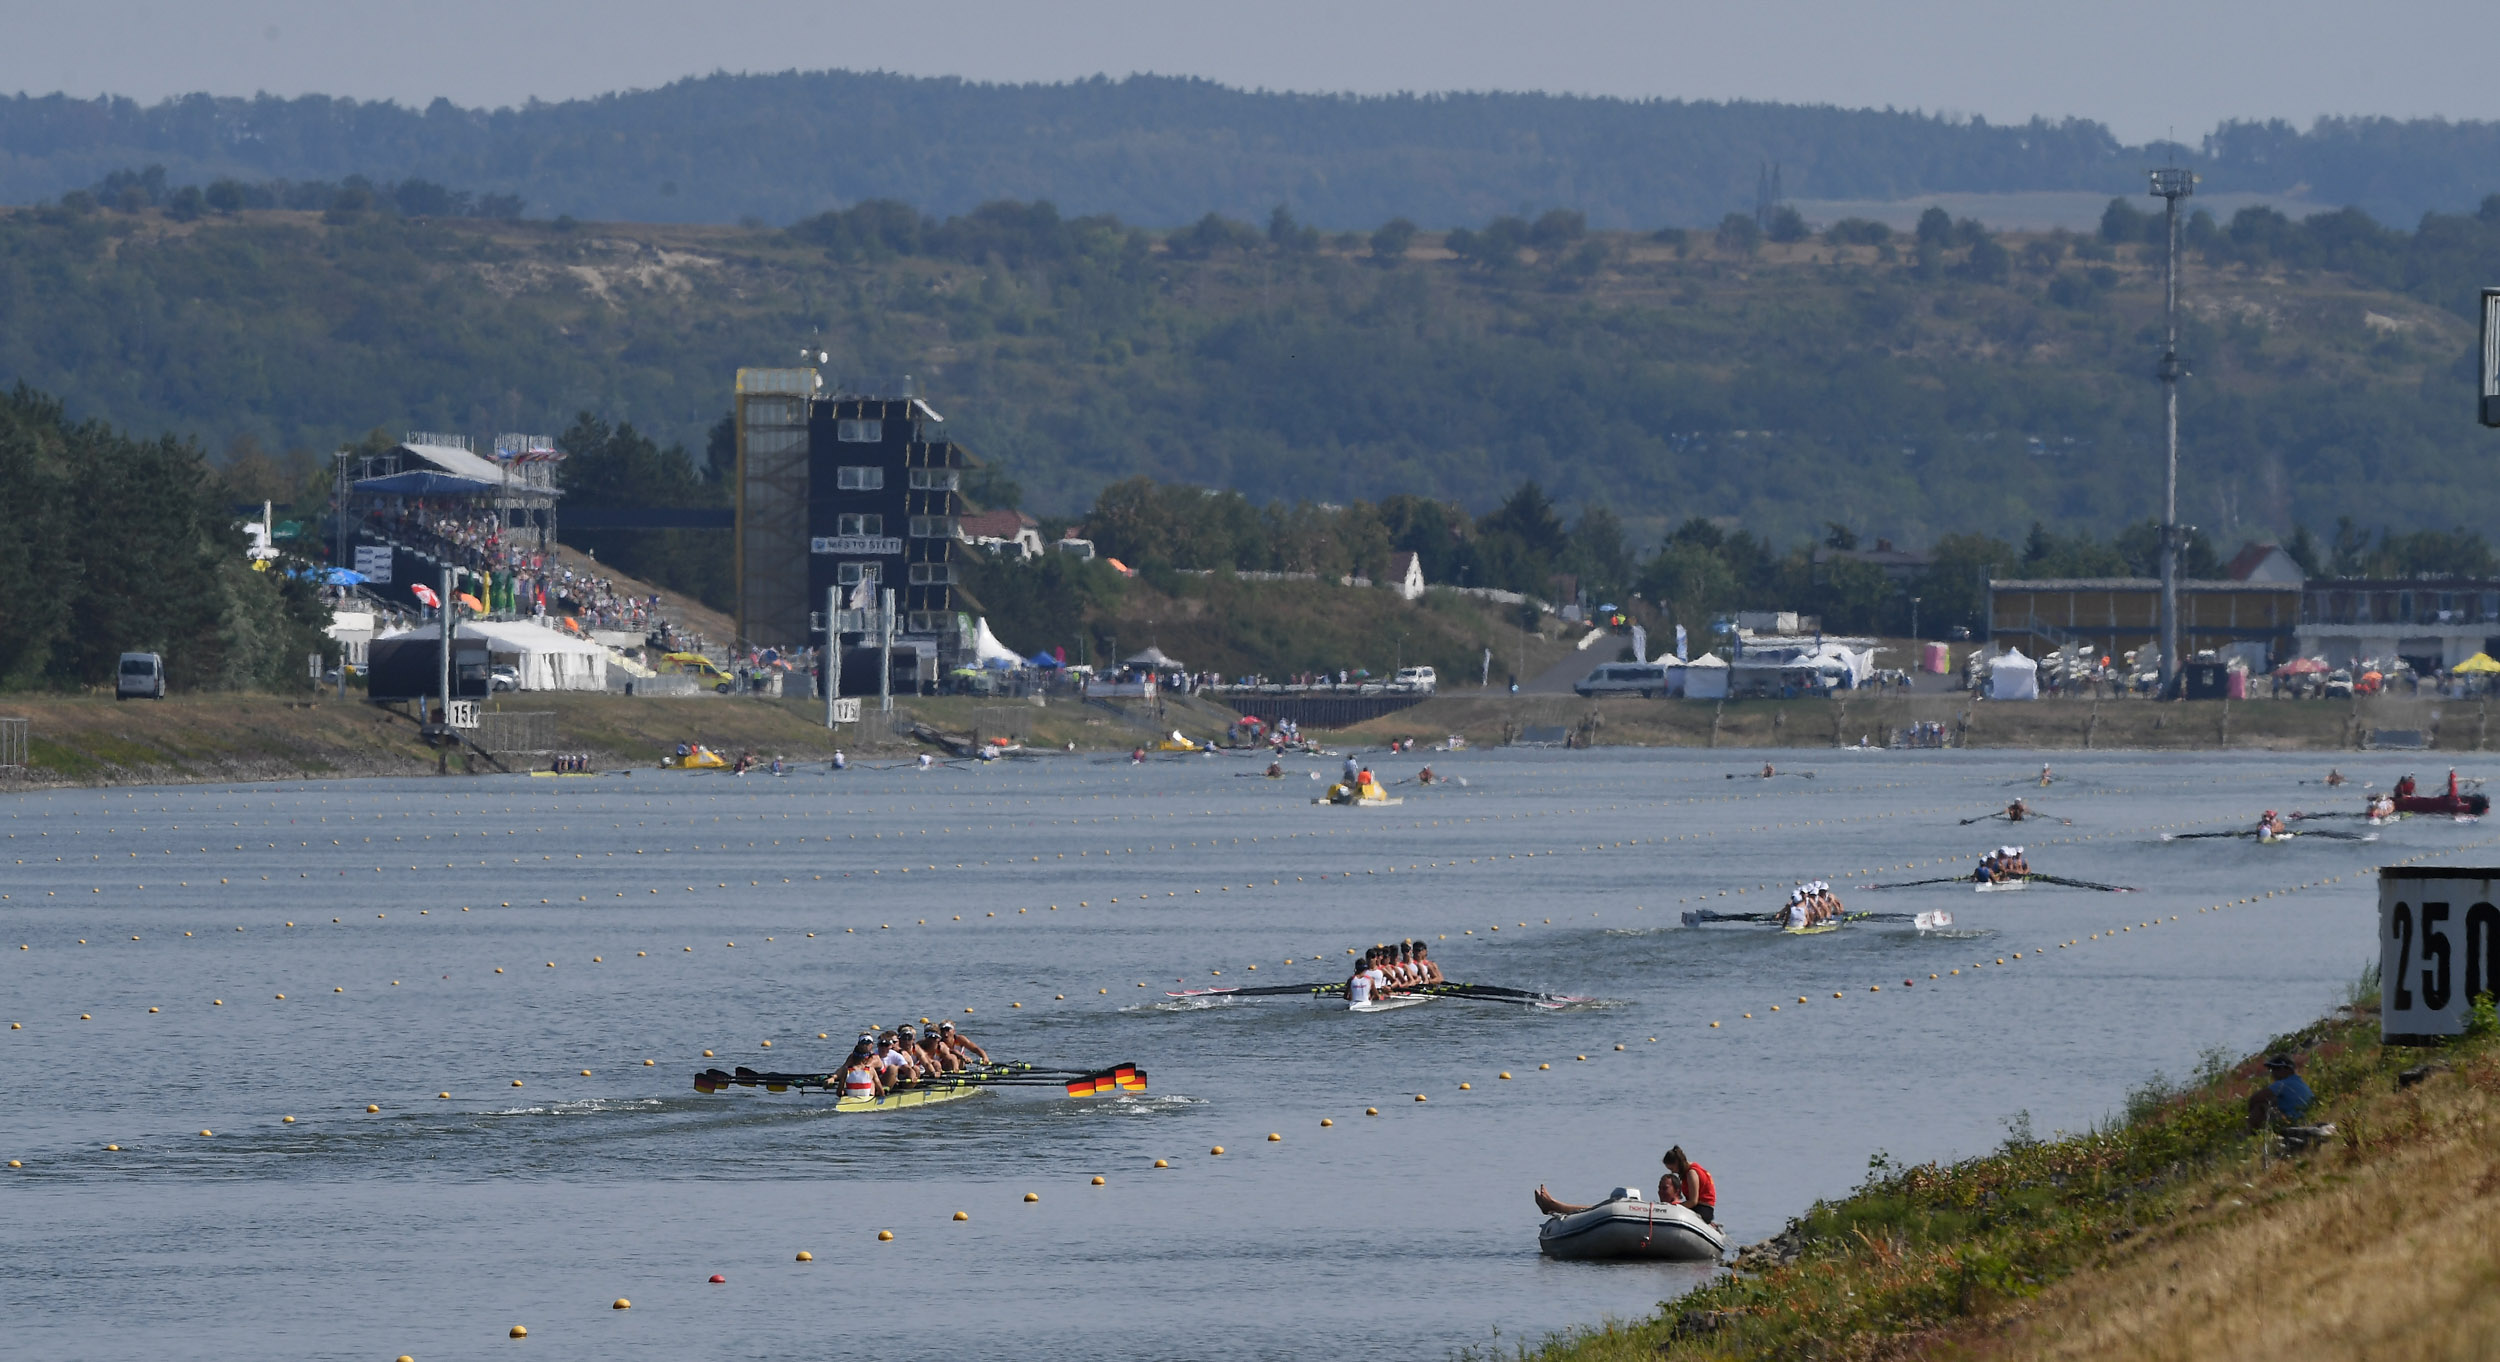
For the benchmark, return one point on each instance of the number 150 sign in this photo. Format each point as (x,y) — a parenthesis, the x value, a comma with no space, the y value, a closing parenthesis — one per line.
(2439,947)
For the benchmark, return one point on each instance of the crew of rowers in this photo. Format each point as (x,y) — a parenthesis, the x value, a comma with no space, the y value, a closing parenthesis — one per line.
(884,1061)
(2382,806)
(1399,968)
(2002,864)
(1810,905)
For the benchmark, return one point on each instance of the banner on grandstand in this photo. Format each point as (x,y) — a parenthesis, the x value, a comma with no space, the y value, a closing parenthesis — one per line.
(373,562)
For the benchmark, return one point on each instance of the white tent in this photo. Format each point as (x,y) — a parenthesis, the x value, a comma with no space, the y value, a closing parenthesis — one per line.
(544,658)
(2013,677)
(988,649)
(1703,678)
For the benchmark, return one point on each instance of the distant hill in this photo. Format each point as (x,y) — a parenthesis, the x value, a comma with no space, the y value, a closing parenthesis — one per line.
(1161,152)
(1908,387)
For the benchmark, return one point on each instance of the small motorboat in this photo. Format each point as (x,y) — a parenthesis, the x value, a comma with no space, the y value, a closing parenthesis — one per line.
(1624,1226)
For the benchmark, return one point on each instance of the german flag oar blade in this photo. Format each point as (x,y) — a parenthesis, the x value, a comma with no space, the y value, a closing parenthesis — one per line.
(1119,1078)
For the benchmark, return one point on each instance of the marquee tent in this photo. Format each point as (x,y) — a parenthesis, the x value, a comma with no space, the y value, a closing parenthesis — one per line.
(2013,677)
(544,659)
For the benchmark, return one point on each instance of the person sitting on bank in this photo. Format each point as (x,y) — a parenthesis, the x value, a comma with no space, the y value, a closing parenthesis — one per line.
(2283,1101)
(1685,1184)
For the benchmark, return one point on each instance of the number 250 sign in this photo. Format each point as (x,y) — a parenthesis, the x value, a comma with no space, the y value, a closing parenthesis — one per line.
(2439,947)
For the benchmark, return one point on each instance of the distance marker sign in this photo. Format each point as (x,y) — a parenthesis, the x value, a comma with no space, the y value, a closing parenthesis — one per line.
(2439,946)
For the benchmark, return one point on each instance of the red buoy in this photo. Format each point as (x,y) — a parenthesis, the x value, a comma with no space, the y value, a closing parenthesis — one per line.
(717,1278)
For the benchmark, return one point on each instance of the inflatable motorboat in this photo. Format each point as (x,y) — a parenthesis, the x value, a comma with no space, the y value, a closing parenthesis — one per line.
(1624,1226)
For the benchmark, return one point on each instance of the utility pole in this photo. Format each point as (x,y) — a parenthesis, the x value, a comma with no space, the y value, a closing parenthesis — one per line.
(2170,184)
(338,552)
(885,653)
(831,668)
(443,659)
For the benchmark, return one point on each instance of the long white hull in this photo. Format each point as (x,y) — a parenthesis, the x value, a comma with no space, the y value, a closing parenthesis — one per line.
(2002,887)
(1391,1003)
(1632,1230)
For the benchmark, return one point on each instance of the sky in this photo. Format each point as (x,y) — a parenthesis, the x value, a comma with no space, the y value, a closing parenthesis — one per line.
(2148,70)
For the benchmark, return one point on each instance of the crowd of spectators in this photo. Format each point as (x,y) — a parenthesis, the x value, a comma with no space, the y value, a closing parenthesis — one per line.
(537,582)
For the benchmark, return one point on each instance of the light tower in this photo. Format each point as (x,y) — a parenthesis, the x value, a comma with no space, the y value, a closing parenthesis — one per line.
(2170,185)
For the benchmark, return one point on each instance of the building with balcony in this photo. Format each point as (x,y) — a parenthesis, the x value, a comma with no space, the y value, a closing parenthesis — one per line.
(2110,616)
(2432,624)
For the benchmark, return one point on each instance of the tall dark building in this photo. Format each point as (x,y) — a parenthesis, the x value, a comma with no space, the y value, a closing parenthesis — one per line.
(864,490)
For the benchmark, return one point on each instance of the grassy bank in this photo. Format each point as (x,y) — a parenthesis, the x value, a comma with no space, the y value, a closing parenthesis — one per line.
(2175,1233)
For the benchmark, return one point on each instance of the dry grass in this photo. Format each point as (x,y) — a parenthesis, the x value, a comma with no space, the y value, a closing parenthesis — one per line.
(2170,1238)
(2385,1250)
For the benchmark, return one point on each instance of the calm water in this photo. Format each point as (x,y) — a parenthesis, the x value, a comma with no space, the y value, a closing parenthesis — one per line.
(611,907)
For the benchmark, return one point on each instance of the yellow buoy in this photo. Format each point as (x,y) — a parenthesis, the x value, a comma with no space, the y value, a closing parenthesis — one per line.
(585,1073)
(806,1257)
(1163,1163)
(1217,1150)
(1371,1111)
(1506,1075)
(622,1304)
(884,1236)
(286,1120)
(1470,1087)
(520,1331)
(516,1082)
(372,1107)
(1273,1137)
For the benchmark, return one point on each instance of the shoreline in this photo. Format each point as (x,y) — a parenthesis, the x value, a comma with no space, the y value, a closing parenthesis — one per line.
(2174,1232)
(91,741)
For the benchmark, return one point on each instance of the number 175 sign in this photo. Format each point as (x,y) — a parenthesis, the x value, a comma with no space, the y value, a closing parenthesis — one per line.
(2439,947)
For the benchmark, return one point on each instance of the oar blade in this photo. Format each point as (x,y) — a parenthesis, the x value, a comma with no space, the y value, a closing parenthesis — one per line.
(1117,1078)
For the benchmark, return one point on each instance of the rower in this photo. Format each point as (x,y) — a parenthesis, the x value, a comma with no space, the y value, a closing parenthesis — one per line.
(1431,969)
(1275,770)
(925,1053)
(1767,772)
(1358,986)
(1986,871)
(1425,776)
(1378,970)
(2334,777)
(2270,826)
(840,762)
(2017,864)
(959,1045)
(2045,777)
(896,1062)
(927,761)
(2017,811)
(861,1076)
(1797,914)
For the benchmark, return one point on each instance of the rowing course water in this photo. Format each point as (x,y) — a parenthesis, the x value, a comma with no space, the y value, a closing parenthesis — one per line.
(503,928)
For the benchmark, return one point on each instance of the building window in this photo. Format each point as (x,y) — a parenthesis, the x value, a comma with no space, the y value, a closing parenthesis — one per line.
(930,621)
(850,526)
(2491,606)
(859,432)
(933,574)
(935,479)
(855,478)
(933,527)
(851,574)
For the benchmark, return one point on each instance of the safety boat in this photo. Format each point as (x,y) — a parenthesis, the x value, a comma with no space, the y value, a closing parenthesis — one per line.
(1364,797)
(696,758)
(1624,1226)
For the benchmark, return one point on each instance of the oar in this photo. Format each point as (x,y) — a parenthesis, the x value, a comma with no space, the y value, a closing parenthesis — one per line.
(2027,814)
(1757,775)
(1913,884)
(1261,991)
(1700,916)
(1491,994)
(2333,836)
(2198,836)
(2082,884)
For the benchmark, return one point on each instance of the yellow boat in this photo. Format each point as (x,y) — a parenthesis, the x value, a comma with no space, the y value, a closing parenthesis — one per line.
(701,759)
(909,1097)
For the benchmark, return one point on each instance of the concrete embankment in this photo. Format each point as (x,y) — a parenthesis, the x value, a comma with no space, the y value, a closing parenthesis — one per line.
(2194,725)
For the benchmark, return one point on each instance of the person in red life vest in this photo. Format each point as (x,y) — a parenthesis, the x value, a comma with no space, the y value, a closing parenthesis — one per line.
(1685,1184)
(1689,1185)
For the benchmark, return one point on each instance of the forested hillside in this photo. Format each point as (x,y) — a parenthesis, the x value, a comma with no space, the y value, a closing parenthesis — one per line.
(1907,386)
(1162,151)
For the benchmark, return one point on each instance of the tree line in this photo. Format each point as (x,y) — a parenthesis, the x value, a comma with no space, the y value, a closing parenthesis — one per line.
(1162,151)
(113,544)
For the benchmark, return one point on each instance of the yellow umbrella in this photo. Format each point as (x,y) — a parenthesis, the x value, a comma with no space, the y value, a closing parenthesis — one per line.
(2478,663)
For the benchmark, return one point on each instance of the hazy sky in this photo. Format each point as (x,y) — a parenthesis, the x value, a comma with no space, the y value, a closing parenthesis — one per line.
(2143,68)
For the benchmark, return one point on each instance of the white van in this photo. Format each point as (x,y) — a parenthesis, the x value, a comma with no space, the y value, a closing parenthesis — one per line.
(1643,679)
(1417,680)
(141,674)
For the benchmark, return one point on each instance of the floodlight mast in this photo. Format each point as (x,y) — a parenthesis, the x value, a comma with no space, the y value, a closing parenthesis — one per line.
(2491,357)
(2170,184)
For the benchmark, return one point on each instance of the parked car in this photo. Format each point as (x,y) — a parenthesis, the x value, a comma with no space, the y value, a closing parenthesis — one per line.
(1644,679)
(1415,680)
(503,678)
(2339,685)
(141,674)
